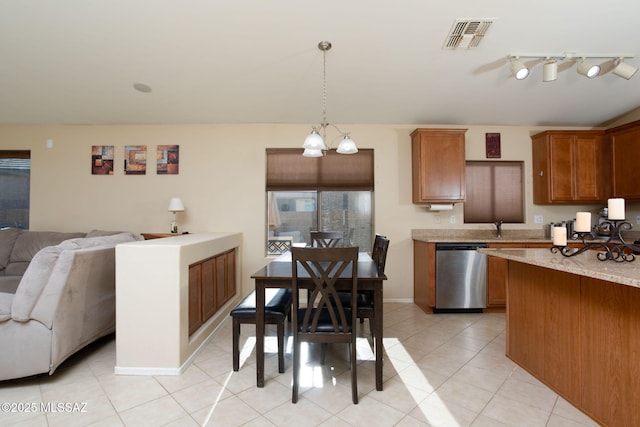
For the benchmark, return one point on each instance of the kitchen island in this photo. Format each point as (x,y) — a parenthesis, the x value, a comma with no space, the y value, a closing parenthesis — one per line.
(574,323)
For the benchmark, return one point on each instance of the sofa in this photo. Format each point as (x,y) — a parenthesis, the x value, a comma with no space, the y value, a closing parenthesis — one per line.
(57,294)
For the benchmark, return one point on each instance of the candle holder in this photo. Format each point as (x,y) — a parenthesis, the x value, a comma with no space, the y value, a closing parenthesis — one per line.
(613,249)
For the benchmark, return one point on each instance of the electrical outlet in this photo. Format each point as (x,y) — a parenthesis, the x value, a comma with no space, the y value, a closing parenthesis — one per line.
(538,219)
(638,219)
(452,219)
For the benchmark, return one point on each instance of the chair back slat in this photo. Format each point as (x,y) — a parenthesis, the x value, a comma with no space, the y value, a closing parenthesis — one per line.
(327,239)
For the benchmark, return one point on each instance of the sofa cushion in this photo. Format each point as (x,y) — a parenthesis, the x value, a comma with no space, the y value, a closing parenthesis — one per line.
(50,269)
(33,282)
(5,306)
(9,284)
(99,233)
(7,240)
(29,243)
(104,240)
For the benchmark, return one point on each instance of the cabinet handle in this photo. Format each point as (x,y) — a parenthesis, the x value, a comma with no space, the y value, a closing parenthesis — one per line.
(541,173)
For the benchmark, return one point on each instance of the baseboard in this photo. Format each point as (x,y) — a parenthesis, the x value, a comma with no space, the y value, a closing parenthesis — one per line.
(400,300)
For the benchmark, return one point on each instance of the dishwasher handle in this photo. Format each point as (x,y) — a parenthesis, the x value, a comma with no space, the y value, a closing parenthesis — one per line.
(459,246)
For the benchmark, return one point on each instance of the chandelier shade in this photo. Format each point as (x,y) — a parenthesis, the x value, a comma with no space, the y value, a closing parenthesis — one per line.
(314,141)
(347,146)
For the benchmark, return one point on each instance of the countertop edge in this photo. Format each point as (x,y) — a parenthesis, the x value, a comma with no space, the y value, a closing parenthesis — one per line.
(585,264)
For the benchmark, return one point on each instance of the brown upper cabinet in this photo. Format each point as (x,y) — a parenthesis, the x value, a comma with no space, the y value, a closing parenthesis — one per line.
(570,167)
(625,151)
(438,165)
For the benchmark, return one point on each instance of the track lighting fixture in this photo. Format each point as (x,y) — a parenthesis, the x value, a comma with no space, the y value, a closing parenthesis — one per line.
(518,69)
(587,69)
(583,66)
(624,70)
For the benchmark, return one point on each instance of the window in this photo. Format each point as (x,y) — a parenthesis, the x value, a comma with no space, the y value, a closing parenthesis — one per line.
(331,193)
(494,192)
(15,171)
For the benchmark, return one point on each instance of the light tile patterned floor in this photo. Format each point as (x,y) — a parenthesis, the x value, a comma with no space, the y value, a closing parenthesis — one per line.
(440,370)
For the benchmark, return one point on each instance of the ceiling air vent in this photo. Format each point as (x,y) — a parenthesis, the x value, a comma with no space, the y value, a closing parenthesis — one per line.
(467,33)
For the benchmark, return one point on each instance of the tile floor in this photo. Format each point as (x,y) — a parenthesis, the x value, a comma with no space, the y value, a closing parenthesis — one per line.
(440,370)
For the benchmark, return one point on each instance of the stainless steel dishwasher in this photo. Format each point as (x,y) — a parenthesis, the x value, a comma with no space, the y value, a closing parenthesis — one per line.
(461,277)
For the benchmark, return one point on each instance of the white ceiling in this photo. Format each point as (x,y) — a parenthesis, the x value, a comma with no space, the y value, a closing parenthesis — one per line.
(257,61)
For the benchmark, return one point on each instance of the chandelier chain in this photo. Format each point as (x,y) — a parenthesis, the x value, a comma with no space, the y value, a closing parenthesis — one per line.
(324,88)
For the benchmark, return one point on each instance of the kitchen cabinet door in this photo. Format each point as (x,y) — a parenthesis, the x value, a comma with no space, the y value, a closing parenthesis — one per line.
(625,151)
(570,167)
(438,165)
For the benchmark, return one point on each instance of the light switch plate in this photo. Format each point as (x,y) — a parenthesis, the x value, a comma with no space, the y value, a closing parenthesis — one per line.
(638,219)
(452,219)
(538,219)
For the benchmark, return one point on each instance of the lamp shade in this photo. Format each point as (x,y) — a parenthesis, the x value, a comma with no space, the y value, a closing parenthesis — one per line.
(347,146)
(176,205)
(312,152)
(314,141)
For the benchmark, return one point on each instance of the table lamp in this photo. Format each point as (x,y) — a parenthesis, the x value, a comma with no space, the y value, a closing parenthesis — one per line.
(175,205)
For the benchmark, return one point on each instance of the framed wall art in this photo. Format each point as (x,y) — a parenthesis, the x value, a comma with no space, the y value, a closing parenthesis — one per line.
(492,145)
(102,159)
(135,159)
(168,159)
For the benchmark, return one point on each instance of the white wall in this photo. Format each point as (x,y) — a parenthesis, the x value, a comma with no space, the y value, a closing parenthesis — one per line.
(221,181)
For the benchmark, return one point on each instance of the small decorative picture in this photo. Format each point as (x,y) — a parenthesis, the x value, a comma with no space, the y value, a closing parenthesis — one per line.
(135,159)
(168,159)
(493,145)
(102,160)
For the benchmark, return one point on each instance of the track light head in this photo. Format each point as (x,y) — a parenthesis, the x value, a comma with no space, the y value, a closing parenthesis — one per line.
(587,69)
(550,70)
(624,70)
(518,69)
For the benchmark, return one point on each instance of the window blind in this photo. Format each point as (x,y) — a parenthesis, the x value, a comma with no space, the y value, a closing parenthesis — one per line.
(494,192)
(288,169)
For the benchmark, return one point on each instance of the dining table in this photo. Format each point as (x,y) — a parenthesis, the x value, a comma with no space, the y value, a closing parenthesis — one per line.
(278,274)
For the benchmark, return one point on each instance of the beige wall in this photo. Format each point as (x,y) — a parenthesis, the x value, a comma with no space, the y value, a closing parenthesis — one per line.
(221,182)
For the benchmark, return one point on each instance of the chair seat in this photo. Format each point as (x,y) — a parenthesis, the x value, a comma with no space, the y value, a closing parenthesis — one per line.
(277,303)
(277,307)
(364,299)
(324,321)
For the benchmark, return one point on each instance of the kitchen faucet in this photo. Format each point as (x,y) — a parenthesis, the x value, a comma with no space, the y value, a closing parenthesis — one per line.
(498,228)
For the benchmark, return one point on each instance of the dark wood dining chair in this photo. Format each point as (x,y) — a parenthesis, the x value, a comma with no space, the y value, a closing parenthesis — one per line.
(365,298)
(277,306)
(324,319)
(327,239)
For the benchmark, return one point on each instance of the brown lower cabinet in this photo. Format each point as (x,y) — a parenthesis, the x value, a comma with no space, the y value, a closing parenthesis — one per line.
(496,269)
(212,282)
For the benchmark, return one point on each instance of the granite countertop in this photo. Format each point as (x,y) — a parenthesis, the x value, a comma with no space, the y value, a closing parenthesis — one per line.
(489,236)
(585,264)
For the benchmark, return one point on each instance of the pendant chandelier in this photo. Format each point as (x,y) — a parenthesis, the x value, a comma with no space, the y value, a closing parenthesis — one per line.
(314,144)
